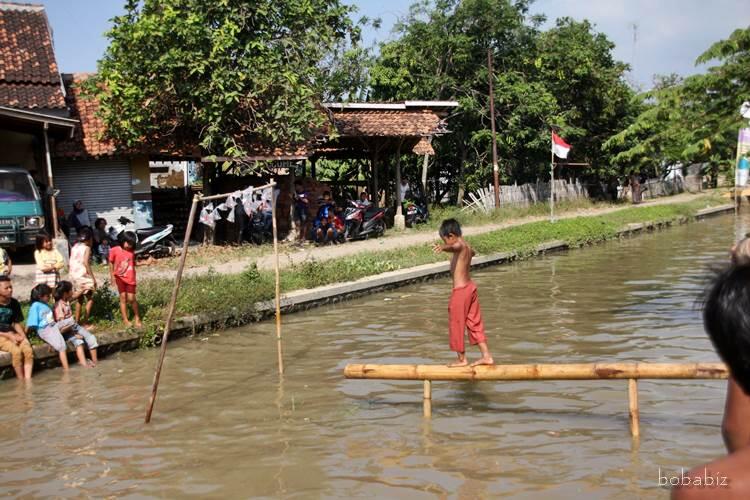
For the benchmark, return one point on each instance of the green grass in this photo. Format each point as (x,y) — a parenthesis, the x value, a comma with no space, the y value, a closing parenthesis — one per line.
(222,296)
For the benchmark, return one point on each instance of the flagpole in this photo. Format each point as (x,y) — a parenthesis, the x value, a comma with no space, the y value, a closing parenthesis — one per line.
(552,180)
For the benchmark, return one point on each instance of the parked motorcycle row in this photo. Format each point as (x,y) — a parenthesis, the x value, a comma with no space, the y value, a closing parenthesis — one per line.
(359,220)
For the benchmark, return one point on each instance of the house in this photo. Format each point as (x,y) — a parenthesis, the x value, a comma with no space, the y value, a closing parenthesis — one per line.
(48,129)
(33,113)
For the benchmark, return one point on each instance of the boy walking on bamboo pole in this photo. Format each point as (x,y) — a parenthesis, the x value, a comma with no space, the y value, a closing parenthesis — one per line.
(463,309)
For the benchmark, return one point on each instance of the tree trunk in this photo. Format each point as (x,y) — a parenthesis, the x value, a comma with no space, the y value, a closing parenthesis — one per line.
(461,180)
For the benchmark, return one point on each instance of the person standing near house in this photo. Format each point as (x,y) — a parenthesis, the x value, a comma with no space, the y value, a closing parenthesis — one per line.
(49,262)
(404,188)
(79,217)
(82,276)
(301,205)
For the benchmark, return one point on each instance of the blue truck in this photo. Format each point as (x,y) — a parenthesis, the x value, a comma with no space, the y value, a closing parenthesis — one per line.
(21,210)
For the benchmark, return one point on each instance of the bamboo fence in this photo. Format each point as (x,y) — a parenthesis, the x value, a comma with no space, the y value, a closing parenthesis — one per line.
(632,372)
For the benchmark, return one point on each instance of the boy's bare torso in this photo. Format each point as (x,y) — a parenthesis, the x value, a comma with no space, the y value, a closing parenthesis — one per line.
(461,263)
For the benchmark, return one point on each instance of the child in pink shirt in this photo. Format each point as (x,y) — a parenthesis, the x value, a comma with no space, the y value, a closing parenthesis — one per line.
(122,271)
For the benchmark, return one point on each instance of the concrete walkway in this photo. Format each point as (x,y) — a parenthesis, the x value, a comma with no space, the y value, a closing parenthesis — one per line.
(23,274)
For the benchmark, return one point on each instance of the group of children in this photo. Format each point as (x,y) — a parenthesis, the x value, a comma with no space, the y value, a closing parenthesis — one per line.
(58,324)
(327,225)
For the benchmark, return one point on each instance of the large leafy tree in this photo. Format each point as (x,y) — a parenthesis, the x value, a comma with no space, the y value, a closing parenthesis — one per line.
(565,77)
(224,74)
(694,120)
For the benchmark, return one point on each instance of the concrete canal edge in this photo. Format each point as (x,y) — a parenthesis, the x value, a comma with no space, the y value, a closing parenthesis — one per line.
(301,300)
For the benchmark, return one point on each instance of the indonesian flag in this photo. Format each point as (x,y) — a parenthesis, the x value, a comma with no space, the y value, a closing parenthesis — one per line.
(559,147)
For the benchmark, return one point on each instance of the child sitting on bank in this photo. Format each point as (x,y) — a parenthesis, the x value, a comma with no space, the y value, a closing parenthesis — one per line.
(82,276)
(325,229)
(49,262)
(67,324)
(463,309)
(6,265)
(42,321)
(122,270)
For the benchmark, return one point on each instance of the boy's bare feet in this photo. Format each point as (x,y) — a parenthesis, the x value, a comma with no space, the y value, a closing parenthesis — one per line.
(88,326)
(91,364)
(458,364)
(483,361)
(138,323)
(127,323)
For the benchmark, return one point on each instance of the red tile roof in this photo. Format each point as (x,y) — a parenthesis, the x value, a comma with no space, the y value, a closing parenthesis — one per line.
(88,136)
(382,123)
(29,77)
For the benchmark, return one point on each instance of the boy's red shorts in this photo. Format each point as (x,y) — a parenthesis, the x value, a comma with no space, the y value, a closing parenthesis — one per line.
(464,314)
(123,287)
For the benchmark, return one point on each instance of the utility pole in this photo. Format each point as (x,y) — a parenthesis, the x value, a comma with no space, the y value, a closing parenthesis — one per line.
(495,168)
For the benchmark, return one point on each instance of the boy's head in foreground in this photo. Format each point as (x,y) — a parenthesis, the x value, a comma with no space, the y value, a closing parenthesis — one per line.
(726,318)
(450,231)
(741,252)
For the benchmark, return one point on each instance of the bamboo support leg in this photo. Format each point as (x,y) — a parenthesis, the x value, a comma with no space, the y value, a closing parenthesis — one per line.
(276,273)
(635,430)
(427,399)
(172,307)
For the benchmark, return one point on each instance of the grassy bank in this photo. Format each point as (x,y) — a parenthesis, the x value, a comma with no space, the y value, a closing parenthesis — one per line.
(206,255)
(234,295)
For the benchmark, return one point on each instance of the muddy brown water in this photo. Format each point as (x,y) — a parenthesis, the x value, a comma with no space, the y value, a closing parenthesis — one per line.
(225,427)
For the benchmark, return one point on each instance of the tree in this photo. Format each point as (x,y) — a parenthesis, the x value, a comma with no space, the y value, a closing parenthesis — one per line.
(222,74)
(694,120)
(565,78)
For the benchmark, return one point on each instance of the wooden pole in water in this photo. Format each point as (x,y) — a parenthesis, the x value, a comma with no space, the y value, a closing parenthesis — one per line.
(276,271)
(580,371)
(635,428)
(427,399)
(495,167)
(172,306)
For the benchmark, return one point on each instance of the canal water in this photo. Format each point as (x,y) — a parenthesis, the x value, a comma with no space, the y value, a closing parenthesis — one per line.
(226,427)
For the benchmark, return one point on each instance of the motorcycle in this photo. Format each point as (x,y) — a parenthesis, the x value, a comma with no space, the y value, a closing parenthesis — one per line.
(362,221)
(415,209)
(259,231)
(151,241)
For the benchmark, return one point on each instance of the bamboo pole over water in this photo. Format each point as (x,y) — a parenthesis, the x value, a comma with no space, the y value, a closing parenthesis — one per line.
(178,280)
(579,371)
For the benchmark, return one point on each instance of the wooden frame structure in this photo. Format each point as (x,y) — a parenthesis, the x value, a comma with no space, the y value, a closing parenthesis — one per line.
(582,371)
(198,198)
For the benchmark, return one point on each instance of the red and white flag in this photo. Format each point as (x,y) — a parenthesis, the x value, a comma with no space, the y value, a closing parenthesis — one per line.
(559,147)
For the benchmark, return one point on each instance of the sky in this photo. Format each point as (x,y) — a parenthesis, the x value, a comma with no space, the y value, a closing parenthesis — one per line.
(653,36)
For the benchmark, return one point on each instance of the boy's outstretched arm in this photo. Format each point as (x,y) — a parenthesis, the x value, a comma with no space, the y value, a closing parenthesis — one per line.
(455,247)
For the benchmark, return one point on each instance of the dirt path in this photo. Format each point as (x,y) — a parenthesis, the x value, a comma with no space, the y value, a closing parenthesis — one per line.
(295,255)
(23,273)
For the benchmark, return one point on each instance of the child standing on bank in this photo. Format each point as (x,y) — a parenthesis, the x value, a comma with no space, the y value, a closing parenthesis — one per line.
(82,276)
(49,261)
(66,323)
(122,271)
(463,309)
